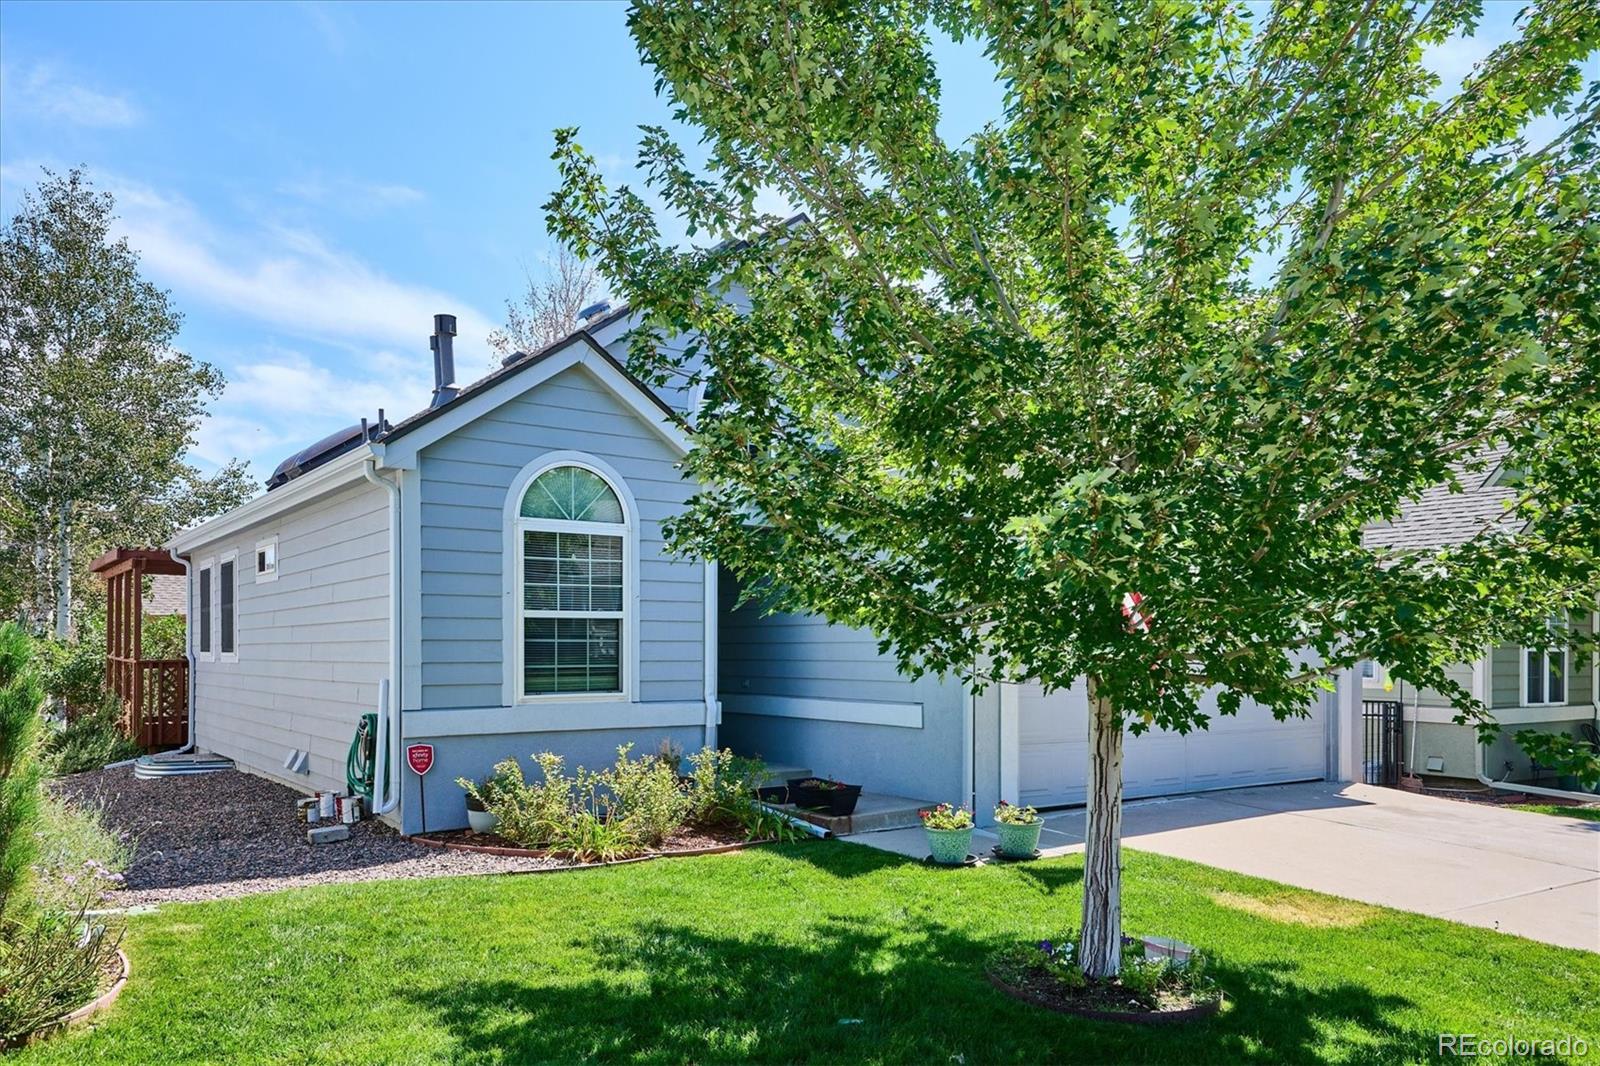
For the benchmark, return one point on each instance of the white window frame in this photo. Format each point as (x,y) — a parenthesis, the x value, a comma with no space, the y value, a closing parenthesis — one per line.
(205,614)
(514,526)
(230,556)
(1544,666)
(262,577)
(1379,674)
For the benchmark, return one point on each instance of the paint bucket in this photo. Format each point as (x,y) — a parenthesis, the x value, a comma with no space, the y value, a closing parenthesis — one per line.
(349,809)
(325,804)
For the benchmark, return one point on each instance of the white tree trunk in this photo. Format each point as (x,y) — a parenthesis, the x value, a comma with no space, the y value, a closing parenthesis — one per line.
(63,609)
(1100,952)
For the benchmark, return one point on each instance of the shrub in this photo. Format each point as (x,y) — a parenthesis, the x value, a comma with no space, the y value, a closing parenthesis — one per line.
(530,814)
(21,773)
(78,857)
(74,672)
(164,636)
(492,790)
(648,795)
(1145,978)
(722,788)
(51,963)
(596,837)
(89,740)
(632,805)
(55,864)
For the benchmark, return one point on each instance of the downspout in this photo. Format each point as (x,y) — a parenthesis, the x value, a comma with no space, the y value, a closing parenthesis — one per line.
(188,643)
(385,775)
(1480,689)
(710,637)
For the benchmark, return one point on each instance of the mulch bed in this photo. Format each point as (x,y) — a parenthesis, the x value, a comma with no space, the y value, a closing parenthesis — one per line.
(227,834)
(690,840)
(1105,1003)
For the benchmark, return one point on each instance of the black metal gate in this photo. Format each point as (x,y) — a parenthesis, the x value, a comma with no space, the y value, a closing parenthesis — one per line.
(1381,728)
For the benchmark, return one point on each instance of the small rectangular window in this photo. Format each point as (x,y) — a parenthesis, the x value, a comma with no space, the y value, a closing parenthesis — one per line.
(203,629)
(266,560)
(227,588)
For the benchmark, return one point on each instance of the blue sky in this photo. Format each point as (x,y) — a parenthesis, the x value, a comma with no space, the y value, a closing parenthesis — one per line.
(314,181)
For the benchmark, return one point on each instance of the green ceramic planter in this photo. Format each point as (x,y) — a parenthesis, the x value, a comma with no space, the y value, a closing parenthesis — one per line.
(1018,841)
(949,847)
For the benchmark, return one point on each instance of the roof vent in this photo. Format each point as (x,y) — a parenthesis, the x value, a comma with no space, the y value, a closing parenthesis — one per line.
(443,343)
(513,357)
(594,311)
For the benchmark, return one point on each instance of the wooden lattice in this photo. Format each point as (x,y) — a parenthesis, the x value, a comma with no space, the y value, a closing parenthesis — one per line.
(154,693)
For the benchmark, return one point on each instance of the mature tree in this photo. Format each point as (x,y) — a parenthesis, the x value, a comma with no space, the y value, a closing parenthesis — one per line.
(1111,389)
(96,407)
(548,308)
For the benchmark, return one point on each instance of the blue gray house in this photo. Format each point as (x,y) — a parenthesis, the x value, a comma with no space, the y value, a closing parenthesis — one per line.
(489,577)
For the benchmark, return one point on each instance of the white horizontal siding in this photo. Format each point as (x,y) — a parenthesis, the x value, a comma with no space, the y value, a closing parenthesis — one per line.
(312,645)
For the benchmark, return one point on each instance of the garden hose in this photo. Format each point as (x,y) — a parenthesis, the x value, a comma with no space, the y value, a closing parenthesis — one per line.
(359,765)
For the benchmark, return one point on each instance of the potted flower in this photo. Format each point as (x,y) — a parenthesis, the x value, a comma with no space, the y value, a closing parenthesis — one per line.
(1019,829)
(949,832)
(481,798)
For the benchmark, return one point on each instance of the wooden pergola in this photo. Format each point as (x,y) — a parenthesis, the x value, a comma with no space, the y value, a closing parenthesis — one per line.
(154,693)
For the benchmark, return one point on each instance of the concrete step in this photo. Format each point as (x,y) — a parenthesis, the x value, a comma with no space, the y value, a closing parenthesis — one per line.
(874,811)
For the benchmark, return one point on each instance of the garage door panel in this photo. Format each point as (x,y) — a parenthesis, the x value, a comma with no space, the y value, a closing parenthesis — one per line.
(1152,764)
(1052,774)
(1249,748)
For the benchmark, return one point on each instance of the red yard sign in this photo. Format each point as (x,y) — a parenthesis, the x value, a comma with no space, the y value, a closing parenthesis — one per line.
(420,757)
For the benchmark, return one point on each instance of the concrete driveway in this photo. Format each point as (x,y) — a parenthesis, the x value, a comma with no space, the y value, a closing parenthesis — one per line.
(1534,875)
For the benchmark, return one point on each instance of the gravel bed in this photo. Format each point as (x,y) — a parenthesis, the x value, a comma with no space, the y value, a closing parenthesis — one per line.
(213,836)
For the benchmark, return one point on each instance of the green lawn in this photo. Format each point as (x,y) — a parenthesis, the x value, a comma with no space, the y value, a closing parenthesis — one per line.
(1587,814)
(821,951)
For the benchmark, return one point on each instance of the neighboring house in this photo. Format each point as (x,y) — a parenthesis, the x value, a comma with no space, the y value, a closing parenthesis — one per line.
(1525,689)
(166,594)
(498,560)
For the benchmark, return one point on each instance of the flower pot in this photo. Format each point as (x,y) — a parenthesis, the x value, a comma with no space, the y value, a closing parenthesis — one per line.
(1018,841)
(842,801)
(482,821)
(773,794)
(949,847)
(801,796)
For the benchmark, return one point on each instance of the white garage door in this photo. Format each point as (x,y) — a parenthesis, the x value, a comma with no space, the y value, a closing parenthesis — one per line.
(1250,748)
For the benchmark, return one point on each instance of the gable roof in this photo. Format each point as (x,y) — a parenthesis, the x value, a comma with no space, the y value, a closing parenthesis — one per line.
(519,366)
(399,445)
(1442,518)
(398,448)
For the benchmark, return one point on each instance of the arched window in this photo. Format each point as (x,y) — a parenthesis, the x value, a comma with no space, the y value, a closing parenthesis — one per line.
(573,531)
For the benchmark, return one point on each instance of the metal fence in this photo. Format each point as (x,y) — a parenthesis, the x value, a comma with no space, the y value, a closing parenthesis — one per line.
(1381,729)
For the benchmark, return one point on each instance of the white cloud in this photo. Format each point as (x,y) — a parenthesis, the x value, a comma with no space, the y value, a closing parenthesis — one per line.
(328,24)
(351,194)
(288,277)
(45,92)
(279,402)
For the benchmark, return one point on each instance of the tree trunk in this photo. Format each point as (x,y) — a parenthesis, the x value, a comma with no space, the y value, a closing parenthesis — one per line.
(63,610)
(1100,950)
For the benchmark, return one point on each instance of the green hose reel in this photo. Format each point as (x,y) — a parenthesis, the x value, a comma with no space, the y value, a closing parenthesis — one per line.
(360,767)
